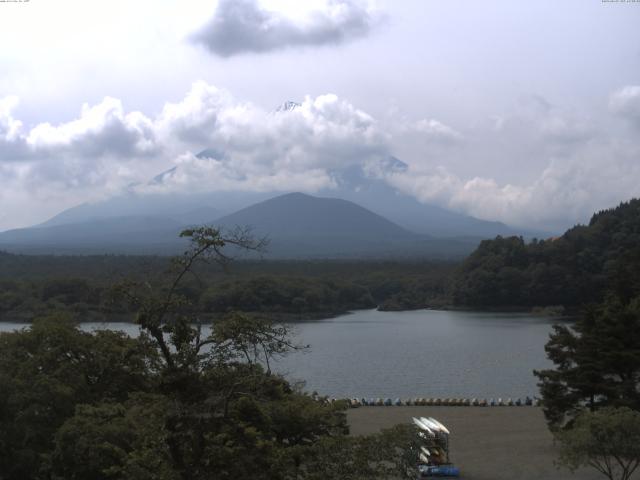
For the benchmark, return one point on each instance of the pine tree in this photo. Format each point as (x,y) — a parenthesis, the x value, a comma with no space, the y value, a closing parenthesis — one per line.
(597,362)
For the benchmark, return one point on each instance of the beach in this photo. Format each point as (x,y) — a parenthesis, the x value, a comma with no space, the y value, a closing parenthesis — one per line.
(486,443)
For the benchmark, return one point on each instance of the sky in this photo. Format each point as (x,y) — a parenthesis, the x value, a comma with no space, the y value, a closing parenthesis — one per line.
(523,112)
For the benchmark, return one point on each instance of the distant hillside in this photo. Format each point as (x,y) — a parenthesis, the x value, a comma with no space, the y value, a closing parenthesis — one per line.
(298,225)
(353,184)
(377,195)
(171,207)
(297,214)
(578,267)
(131,234)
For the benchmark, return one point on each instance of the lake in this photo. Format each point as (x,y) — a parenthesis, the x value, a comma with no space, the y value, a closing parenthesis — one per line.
(427,353)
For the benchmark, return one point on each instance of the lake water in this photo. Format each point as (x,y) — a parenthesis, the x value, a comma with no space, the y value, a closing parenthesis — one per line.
(425,353)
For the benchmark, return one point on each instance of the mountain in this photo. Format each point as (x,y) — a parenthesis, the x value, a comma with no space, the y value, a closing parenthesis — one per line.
(375,194)
(287,106)
(129,234)
(353,183)
(297,214)
(298,226)
(197,208)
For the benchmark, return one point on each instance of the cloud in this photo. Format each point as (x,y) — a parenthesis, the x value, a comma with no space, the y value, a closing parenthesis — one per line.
(567,191)
(260,150)
(626,103)
(106,150)
(49,167)
(577,165)
(243,26)
(202,174)
(538,166)
(436,130)
(102,129)
(102,138)
(9,127)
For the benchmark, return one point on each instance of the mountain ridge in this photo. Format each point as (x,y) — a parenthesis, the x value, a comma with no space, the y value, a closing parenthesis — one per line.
(299,226)
(353,183)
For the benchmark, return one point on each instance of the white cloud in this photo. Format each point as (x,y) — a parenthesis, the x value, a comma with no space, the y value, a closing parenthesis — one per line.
(626,102)
(261,150)
(202,174)
(9,127)
(103,129)
(106,149)
(435,130)
(567,191)
(241,26)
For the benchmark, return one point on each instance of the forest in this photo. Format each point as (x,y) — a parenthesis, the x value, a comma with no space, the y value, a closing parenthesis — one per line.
(576,268)
(81,285)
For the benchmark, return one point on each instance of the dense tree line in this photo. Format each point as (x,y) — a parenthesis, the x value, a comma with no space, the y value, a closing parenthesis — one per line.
(287,295)
(31,286)
(577,268)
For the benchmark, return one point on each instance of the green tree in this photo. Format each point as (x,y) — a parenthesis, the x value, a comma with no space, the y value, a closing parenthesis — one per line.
(114,441)
(390,454)
(597,362)
(49,369)
(607,440)
(227,409)
(175,403)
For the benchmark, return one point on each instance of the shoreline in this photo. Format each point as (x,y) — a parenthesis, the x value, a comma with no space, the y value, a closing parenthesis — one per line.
(289,317)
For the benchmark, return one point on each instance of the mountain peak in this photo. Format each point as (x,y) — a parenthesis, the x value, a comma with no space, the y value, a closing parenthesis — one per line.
(210,153)
(298,213)
(162,177)
(287,106)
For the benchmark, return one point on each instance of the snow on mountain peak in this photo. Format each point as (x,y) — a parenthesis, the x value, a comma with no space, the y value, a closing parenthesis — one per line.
(287,106)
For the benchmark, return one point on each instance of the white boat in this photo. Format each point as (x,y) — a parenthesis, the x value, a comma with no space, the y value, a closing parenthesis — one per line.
(423,426)
(441,426)
(430,424)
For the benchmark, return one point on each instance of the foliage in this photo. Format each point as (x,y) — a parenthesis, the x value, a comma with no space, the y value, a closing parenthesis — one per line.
(391,454)
(577,268)
(49,369)
(597,362)
(173,403)
(81,285)
(607,440)
(286,295)
(114,440)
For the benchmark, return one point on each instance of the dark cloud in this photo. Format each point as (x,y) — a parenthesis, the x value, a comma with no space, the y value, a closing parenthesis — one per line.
(242,26)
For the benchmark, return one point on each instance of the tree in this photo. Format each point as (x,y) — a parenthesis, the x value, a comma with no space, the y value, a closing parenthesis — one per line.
(597,362)
(228,415)
(114,440)
(390,454)
(175,403)
(607,440)
(49,369)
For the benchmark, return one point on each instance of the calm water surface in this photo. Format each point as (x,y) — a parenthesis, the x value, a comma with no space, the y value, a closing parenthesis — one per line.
(406,354)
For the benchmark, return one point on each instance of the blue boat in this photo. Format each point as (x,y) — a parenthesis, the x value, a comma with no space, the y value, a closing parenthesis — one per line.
(449,471)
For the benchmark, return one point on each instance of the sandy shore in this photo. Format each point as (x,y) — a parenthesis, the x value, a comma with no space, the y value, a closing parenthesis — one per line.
(491,443)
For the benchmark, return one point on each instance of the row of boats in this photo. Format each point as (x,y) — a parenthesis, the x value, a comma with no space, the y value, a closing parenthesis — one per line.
(448,402)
